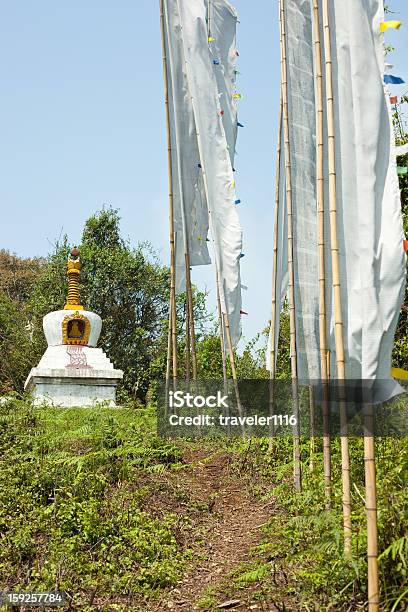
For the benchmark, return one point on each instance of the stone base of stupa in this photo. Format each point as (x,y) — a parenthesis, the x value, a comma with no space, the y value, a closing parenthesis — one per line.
(74,376)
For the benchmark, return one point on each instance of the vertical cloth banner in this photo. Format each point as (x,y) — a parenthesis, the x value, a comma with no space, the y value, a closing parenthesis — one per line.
(191,221)
(217,170)
(370,229)
(302,142)
(222,19)
(222,23)
(372,262)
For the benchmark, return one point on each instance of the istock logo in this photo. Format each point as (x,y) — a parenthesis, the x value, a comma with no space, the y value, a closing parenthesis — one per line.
(178,399)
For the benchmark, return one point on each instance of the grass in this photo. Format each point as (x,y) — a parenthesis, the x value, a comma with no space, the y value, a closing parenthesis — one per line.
(300,563)
(72,489)
(86,507)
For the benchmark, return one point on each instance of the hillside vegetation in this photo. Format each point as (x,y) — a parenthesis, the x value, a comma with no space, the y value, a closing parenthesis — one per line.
(93,503)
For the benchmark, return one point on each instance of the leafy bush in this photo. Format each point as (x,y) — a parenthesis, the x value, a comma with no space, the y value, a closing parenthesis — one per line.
(303,543)
(70,502)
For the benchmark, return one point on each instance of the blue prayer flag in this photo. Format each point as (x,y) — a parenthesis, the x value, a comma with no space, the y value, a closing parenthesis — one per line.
(393,80)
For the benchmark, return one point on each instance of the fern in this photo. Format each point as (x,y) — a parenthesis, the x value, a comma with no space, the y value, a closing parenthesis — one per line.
(254,575)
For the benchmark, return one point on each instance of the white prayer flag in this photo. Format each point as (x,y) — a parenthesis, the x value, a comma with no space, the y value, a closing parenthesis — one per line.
(302,143)
(203,132)
(190,206)
(370,228)
(222,26)
(372,261)
(218,176)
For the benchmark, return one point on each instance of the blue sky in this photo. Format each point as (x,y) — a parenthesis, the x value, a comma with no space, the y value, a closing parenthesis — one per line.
(82,125)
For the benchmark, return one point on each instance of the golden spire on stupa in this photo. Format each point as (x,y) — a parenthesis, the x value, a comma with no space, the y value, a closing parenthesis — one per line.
(74,272)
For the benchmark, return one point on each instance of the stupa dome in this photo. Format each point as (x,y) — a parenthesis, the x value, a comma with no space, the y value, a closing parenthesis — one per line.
(72,327)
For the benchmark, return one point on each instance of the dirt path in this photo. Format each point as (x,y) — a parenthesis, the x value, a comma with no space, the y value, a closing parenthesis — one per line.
(224,534)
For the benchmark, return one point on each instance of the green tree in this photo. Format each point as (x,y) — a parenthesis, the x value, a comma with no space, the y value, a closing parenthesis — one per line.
(16,349)
(250,361)
(203,322)
(209,357)
(18,275)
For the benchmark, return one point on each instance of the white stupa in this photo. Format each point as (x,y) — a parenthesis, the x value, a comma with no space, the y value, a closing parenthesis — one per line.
(72,371)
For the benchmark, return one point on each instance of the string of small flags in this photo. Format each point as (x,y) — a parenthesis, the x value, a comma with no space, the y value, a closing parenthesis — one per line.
(394,80)
(390,79)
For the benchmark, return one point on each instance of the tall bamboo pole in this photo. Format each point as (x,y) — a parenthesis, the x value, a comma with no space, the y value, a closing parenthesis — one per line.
(222,338)
(187,314)
(225,317)
(275,247)
(171,201)
(274,274)
(321,248)
(335,257)
(190,305)
(220,315)
(291,267)
(190,331)
(312,429)
(223,353)
(168,361)
(371,510)
(232,361)
(190,324)
(169,337)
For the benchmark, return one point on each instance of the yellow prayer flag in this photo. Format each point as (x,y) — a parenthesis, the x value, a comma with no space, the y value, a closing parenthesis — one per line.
(237,96)
(399,374)
(387,25)
(211,39)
